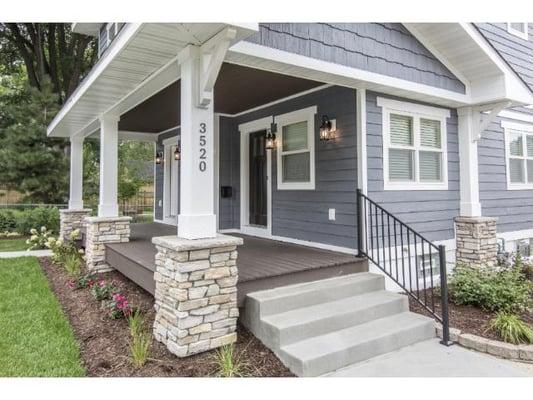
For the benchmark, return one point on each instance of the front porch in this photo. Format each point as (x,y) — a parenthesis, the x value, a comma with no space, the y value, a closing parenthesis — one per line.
(262,263)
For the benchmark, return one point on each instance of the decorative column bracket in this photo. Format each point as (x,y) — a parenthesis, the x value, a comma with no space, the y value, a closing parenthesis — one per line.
(487,113)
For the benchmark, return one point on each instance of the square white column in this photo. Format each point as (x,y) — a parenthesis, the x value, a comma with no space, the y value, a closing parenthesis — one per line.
(76,174)
(108,204)
(469,123)
(197,219)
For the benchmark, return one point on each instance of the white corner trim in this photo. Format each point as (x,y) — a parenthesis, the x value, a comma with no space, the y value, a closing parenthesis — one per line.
(521,34)
(305,114)
(362,168)
(416,111)
(415,108)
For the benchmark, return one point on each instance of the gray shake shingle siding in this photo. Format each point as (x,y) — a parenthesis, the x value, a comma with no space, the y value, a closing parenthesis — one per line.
(383,48)
(514,208)
(303,214)
(430,212)
(517,52)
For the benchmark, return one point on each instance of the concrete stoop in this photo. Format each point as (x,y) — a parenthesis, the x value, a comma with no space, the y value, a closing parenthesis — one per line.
(318,327)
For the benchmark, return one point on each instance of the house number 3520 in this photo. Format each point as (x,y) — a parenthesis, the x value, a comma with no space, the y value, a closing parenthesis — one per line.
(202,165)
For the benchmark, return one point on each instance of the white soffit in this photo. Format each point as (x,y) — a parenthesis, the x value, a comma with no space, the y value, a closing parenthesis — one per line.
(116,83)
(467,54)
(87,28)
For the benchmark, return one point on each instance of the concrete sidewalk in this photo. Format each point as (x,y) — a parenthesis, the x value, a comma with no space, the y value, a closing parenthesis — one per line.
(26,253)
(431,359)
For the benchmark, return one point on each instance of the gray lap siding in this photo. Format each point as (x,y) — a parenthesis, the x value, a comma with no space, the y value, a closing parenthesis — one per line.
(430,212)
(303,214)
(514,208)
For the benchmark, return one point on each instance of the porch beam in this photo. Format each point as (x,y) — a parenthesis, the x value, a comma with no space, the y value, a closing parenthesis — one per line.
(108,203)
(76,173)
(197,219)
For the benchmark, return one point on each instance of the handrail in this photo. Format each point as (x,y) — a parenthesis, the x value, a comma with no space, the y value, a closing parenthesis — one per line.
(392,246)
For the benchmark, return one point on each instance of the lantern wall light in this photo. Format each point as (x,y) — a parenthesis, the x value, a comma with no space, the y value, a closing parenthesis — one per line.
(327,128)
(270,142)
(177,153)
(159,157)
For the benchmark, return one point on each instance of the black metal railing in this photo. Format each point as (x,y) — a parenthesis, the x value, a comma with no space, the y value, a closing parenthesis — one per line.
(413,262)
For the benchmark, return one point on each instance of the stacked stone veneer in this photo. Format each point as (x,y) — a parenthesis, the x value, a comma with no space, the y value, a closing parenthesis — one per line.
(476,241)
(100,231)
(71,220)
(196,293)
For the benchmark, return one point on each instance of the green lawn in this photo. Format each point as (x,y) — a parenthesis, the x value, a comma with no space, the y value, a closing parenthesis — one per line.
(13,244)
(35,336)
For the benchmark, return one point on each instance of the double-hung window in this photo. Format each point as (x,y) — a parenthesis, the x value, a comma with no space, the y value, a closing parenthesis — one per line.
(414,146)
(519,152)
(295,152)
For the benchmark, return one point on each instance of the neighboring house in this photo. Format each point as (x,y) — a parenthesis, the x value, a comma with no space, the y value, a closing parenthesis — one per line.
(430,121)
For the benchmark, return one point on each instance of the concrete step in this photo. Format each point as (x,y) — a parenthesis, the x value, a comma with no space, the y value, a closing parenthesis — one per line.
(326,353)
(306,322)
(286,298)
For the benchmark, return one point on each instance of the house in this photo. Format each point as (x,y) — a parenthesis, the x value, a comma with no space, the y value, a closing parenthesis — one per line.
(285,150)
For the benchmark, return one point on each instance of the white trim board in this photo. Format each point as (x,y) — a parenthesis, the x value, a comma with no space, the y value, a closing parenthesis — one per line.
(516,116)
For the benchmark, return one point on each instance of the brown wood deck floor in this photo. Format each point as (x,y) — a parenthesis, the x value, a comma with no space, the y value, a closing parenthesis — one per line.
(259,259)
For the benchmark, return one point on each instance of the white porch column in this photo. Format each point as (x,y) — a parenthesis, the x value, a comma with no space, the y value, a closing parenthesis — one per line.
(197,219)
(469,121)
(76,173)
(108,205)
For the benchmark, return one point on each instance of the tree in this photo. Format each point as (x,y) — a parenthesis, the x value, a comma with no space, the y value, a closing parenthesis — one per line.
(30,162)
(47,50)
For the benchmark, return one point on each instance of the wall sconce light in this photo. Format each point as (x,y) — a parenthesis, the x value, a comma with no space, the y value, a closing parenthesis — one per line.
(159,157)
(327,129)
(270,143)
(177,153)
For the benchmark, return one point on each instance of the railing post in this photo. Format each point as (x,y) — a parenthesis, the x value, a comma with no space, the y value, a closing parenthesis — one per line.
(444,297)
(359,224)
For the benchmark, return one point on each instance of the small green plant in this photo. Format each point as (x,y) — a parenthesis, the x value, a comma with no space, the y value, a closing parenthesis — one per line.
(228,363)
(141,340)
(491,289)
(85,281)
(72,265)
(39,238)
(103,290)
(511,328)
(118,306)
(62,249)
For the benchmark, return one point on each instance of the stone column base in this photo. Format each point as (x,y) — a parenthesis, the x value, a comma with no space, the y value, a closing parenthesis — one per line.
(477,245)
(196,293)
(102,230)
(71,220)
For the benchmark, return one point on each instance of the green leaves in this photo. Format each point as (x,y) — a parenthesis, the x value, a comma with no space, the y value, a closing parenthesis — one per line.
(512,329)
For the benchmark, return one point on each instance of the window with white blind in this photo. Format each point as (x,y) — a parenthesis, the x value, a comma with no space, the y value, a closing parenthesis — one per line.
(519,155)
(414,146)
(519,29)
(295,152)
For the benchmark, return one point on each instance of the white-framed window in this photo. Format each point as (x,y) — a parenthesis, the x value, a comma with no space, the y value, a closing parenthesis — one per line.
(296,150)
(428,266)
(414,146)
(519,29)
(519,155)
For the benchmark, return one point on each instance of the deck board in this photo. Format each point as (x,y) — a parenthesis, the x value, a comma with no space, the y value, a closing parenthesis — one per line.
(259,259)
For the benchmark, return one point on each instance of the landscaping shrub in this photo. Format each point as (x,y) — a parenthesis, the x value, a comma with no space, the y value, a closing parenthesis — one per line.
(141,339)
(61,249)
(228,364)
(103,290)
(39,238)
(85,281)
(491,289)
(36,217)
(72,265)
(8,222)
(118,306)
(512,329)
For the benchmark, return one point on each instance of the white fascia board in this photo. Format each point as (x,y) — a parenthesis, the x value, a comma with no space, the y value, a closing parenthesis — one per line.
(247,53)
(123,38)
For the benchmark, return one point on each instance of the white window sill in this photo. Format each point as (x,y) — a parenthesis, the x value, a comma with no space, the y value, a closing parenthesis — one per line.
(296,186)
(415,186)
(520,186)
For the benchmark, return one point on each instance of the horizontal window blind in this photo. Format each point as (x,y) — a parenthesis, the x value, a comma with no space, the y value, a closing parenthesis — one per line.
(529,171)
(430,133)
(296,167)
(516,170)
(529,145)
(401,130)
(430,166)
(401,165)
(295,136)
(515,144)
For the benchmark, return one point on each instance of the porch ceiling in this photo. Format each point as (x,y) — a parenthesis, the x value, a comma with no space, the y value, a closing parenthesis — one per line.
(237,89)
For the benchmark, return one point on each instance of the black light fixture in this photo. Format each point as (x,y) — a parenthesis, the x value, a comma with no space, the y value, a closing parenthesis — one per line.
(326,129)
(159,157)
(270,143)
(177,153)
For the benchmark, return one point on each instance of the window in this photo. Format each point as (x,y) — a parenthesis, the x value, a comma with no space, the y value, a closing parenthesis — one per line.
(414,146)
(296,155)
(519,29)
(519,151)
(428,266)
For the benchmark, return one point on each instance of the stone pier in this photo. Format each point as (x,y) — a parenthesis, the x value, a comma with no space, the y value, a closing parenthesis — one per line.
(477,245)
(71,220)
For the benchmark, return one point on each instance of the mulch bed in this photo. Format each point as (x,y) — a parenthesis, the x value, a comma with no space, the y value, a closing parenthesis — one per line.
(469,319)
(104,342)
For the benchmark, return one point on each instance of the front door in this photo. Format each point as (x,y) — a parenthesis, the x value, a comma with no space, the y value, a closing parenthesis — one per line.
(257,185)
